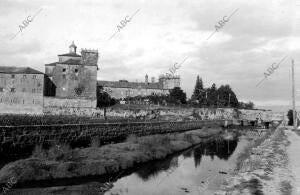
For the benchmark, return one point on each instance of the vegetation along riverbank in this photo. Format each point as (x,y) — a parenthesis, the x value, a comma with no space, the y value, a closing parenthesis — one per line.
(62,162)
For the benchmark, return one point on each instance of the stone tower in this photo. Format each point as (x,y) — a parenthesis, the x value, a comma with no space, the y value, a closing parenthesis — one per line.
(74,75)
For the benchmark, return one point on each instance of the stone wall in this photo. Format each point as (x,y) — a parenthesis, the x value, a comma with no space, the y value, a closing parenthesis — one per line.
(75,80)
(162,114)
(69,103)
(39,134)
(65,106)
(21,93)
(260,115)
(122,92)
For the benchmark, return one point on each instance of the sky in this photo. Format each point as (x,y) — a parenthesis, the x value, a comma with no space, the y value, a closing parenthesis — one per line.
(160,34)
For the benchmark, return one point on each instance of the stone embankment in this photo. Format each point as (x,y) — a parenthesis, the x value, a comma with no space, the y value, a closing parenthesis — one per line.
(265,171)
(104,132)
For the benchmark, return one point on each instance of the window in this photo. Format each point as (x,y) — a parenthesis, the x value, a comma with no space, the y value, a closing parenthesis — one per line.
(64,70)
(34,76)
(76,70)
(12,89)
(12,76)
(1,89)
(24,76)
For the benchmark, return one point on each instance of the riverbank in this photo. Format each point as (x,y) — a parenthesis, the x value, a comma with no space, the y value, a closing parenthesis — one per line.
(59,163)
(264,171)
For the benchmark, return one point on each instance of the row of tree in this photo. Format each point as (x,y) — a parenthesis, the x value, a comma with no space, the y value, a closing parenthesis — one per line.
(216,97)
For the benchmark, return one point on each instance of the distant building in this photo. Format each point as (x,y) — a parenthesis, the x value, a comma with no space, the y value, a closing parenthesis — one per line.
(123,88)
(21,90)
(74,75)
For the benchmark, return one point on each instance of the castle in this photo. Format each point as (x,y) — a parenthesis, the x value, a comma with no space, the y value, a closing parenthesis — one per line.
(68,86)
(73,75)
(122,88)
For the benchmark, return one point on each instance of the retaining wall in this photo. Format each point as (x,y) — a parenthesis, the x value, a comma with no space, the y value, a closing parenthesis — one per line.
(39,134)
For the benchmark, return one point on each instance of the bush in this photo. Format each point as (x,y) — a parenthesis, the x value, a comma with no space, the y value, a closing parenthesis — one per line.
(56,152)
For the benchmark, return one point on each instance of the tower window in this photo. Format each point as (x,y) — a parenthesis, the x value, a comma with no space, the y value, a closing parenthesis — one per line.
(64,70)
(76,70)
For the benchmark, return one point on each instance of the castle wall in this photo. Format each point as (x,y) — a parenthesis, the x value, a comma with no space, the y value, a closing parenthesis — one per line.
(67,106)
(75,81)
(119,93)
(69,103)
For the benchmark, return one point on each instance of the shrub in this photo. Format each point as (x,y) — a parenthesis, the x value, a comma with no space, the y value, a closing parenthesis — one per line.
(95,142)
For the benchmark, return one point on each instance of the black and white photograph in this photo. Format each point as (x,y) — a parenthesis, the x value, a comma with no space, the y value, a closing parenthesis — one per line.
(157,97)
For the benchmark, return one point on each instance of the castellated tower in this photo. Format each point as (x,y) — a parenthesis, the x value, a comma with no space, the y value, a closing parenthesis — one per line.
(169,81)
(89,57)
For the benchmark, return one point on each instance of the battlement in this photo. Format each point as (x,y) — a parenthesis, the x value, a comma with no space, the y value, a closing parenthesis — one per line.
(89,57)
(168,76)
(89,50)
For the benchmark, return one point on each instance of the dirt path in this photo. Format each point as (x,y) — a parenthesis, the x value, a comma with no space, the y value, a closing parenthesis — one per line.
(267,170)
(294,159)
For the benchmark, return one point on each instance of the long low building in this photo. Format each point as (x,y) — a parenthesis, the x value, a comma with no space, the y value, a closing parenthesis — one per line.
(21,90)
(123,88)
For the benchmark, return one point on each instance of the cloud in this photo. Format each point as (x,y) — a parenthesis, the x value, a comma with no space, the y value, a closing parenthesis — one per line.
(161,34)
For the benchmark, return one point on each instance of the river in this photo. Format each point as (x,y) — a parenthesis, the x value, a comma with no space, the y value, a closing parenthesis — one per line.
(198,170)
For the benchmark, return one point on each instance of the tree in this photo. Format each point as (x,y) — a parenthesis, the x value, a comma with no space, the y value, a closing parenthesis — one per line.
(200,94)
(249,105)
(227,97)
(198,88)
(177,96)
(103,99)
(290,117)
(212,99)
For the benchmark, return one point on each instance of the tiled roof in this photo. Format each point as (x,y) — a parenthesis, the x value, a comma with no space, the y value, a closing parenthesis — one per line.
(52,64)
(70,54)
(69,61)
(126,84)
(18,70)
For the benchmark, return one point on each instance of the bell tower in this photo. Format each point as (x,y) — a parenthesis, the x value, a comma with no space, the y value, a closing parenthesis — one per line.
(73,48)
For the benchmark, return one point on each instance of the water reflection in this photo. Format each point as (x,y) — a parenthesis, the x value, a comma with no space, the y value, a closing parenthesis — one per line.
(222,149)
(183,173)
(177,174)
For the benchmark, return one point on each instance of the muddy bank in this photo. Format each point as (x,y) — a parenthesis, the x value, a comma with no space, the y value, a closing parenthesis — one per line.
(61,163)
(265,170)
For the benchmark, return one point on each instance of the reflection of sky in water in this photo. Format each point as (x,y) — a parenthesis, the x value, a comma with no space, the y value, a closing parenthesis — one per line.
(182,174)
(176,175)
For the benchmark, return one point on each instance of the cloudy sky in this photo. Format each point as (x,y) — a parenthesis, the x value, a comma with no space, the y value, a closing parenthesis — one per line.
(160,34)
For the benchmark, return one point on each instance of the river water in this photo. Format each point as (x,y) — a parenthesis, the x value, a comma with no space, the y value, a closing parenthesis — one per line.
(198,170)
